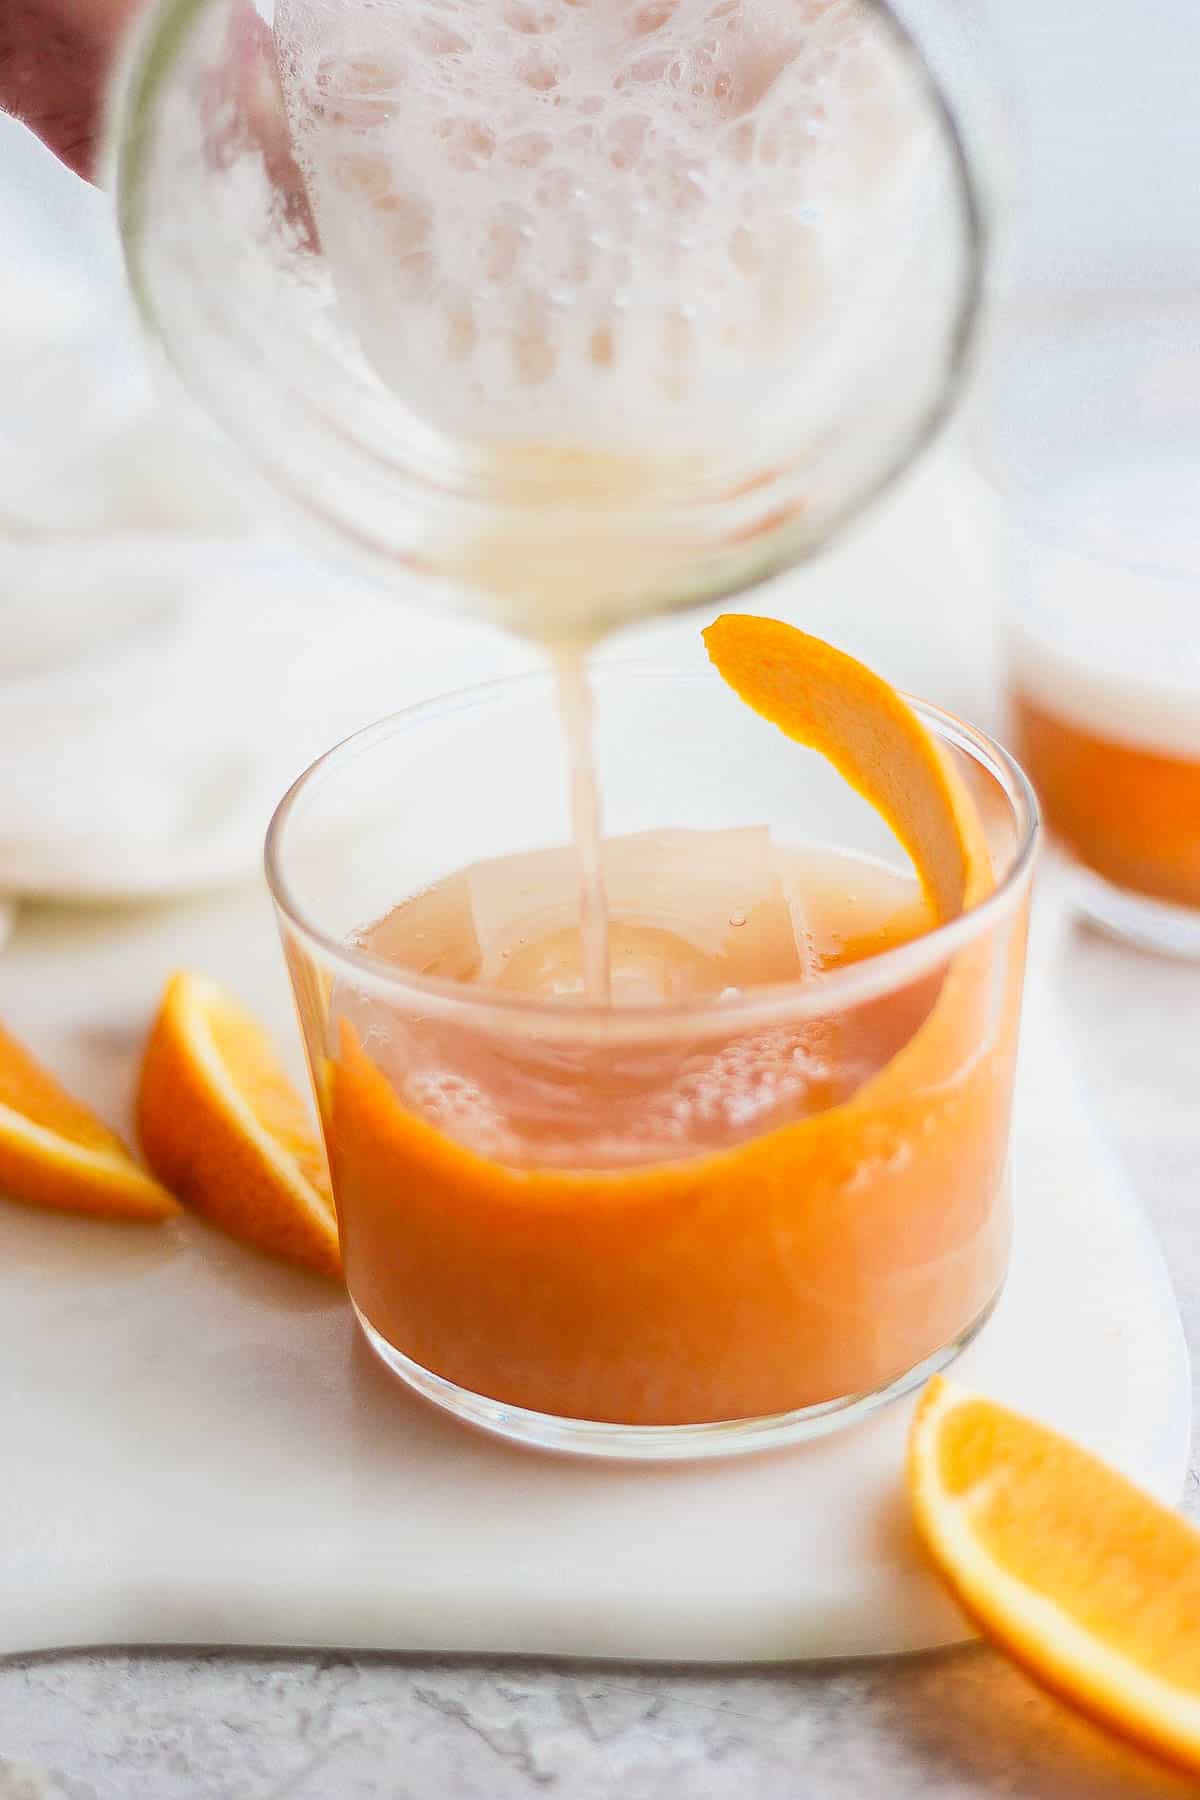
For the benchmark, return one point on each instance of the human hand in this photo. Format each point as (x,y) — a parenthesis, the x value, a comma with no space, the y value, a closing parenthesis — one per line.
(56,57)
(56,64)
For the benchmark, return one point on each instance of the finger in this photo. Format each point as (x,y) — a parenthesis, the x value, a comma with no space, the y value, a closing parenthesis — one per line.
(55,60)
(247,113)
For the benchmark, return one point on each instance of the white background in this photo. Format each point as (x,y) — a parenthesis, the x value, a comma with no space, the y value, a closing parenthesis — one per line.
(1104,99)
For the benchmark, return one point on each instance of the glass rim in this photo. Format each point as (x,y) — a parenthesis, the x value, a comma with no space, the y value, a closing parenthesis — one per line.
(818,995)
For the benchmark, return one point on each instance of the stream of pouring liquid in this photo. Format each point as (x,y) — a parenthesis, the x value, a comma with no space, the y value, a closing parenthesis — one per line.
(554,588)
(575,711)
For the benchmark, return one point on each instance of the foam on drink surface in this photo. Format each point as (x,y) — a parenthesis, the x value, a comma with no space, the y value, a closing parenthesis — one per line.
(695,916)
(587,221)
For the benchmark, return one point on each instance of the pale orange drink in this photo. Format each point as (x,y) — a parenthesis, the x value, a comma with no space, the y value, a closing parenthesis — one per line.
(1096,448)
(765,1185)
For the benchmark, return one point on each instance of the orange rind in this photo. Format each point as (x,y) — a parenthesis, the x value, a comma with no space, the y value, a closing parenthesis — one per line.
(223,1127)
(55,1152)
(826,700)
(1077,1574)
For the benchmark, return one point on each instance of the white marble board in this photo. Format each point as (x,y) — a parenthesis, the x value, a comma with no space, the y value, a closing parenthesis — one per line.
(196,1448)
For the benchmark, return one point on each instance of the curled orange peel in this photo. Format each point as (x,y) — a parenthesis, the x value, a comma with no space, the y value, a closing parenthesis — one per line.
(829,702)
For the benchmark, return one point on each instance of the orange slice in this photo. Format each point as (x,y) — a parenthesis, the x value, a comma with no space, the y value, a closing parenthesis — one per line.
(54,1152)
(1075,1572)
(824,699)
(224,1128)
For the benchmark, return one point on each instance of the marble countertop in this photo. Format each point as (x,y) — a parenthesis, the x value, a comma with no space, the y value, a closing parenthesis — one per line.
(155,1725)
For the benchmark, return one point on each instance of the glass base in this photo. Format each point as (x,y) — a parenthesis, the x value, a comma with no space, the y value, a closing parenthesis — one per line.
(660,1443)
(1136,918)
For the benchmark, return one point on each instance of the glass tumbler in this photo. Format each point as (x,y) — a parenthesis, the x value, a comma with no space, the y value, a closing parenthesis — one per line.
(506,336)
(650,1230)
(1096,447)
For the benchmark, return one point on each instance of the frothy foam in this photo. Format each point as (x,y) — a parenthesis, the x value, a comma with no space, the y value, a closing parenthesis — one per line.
(1106,634)
(572,1104)
(563,221)
(710,1100)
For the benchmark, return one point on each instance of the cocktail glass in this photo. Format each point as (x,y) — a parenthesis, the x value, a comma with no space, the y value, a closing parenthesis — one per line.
(1097,449)
(673,1227)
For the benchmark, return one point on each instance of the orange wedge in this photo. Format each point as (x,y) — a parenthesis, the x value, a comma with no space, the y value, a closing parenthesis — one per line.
(824,699)
(223,1127)
(1075,1572)
(55,1153)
